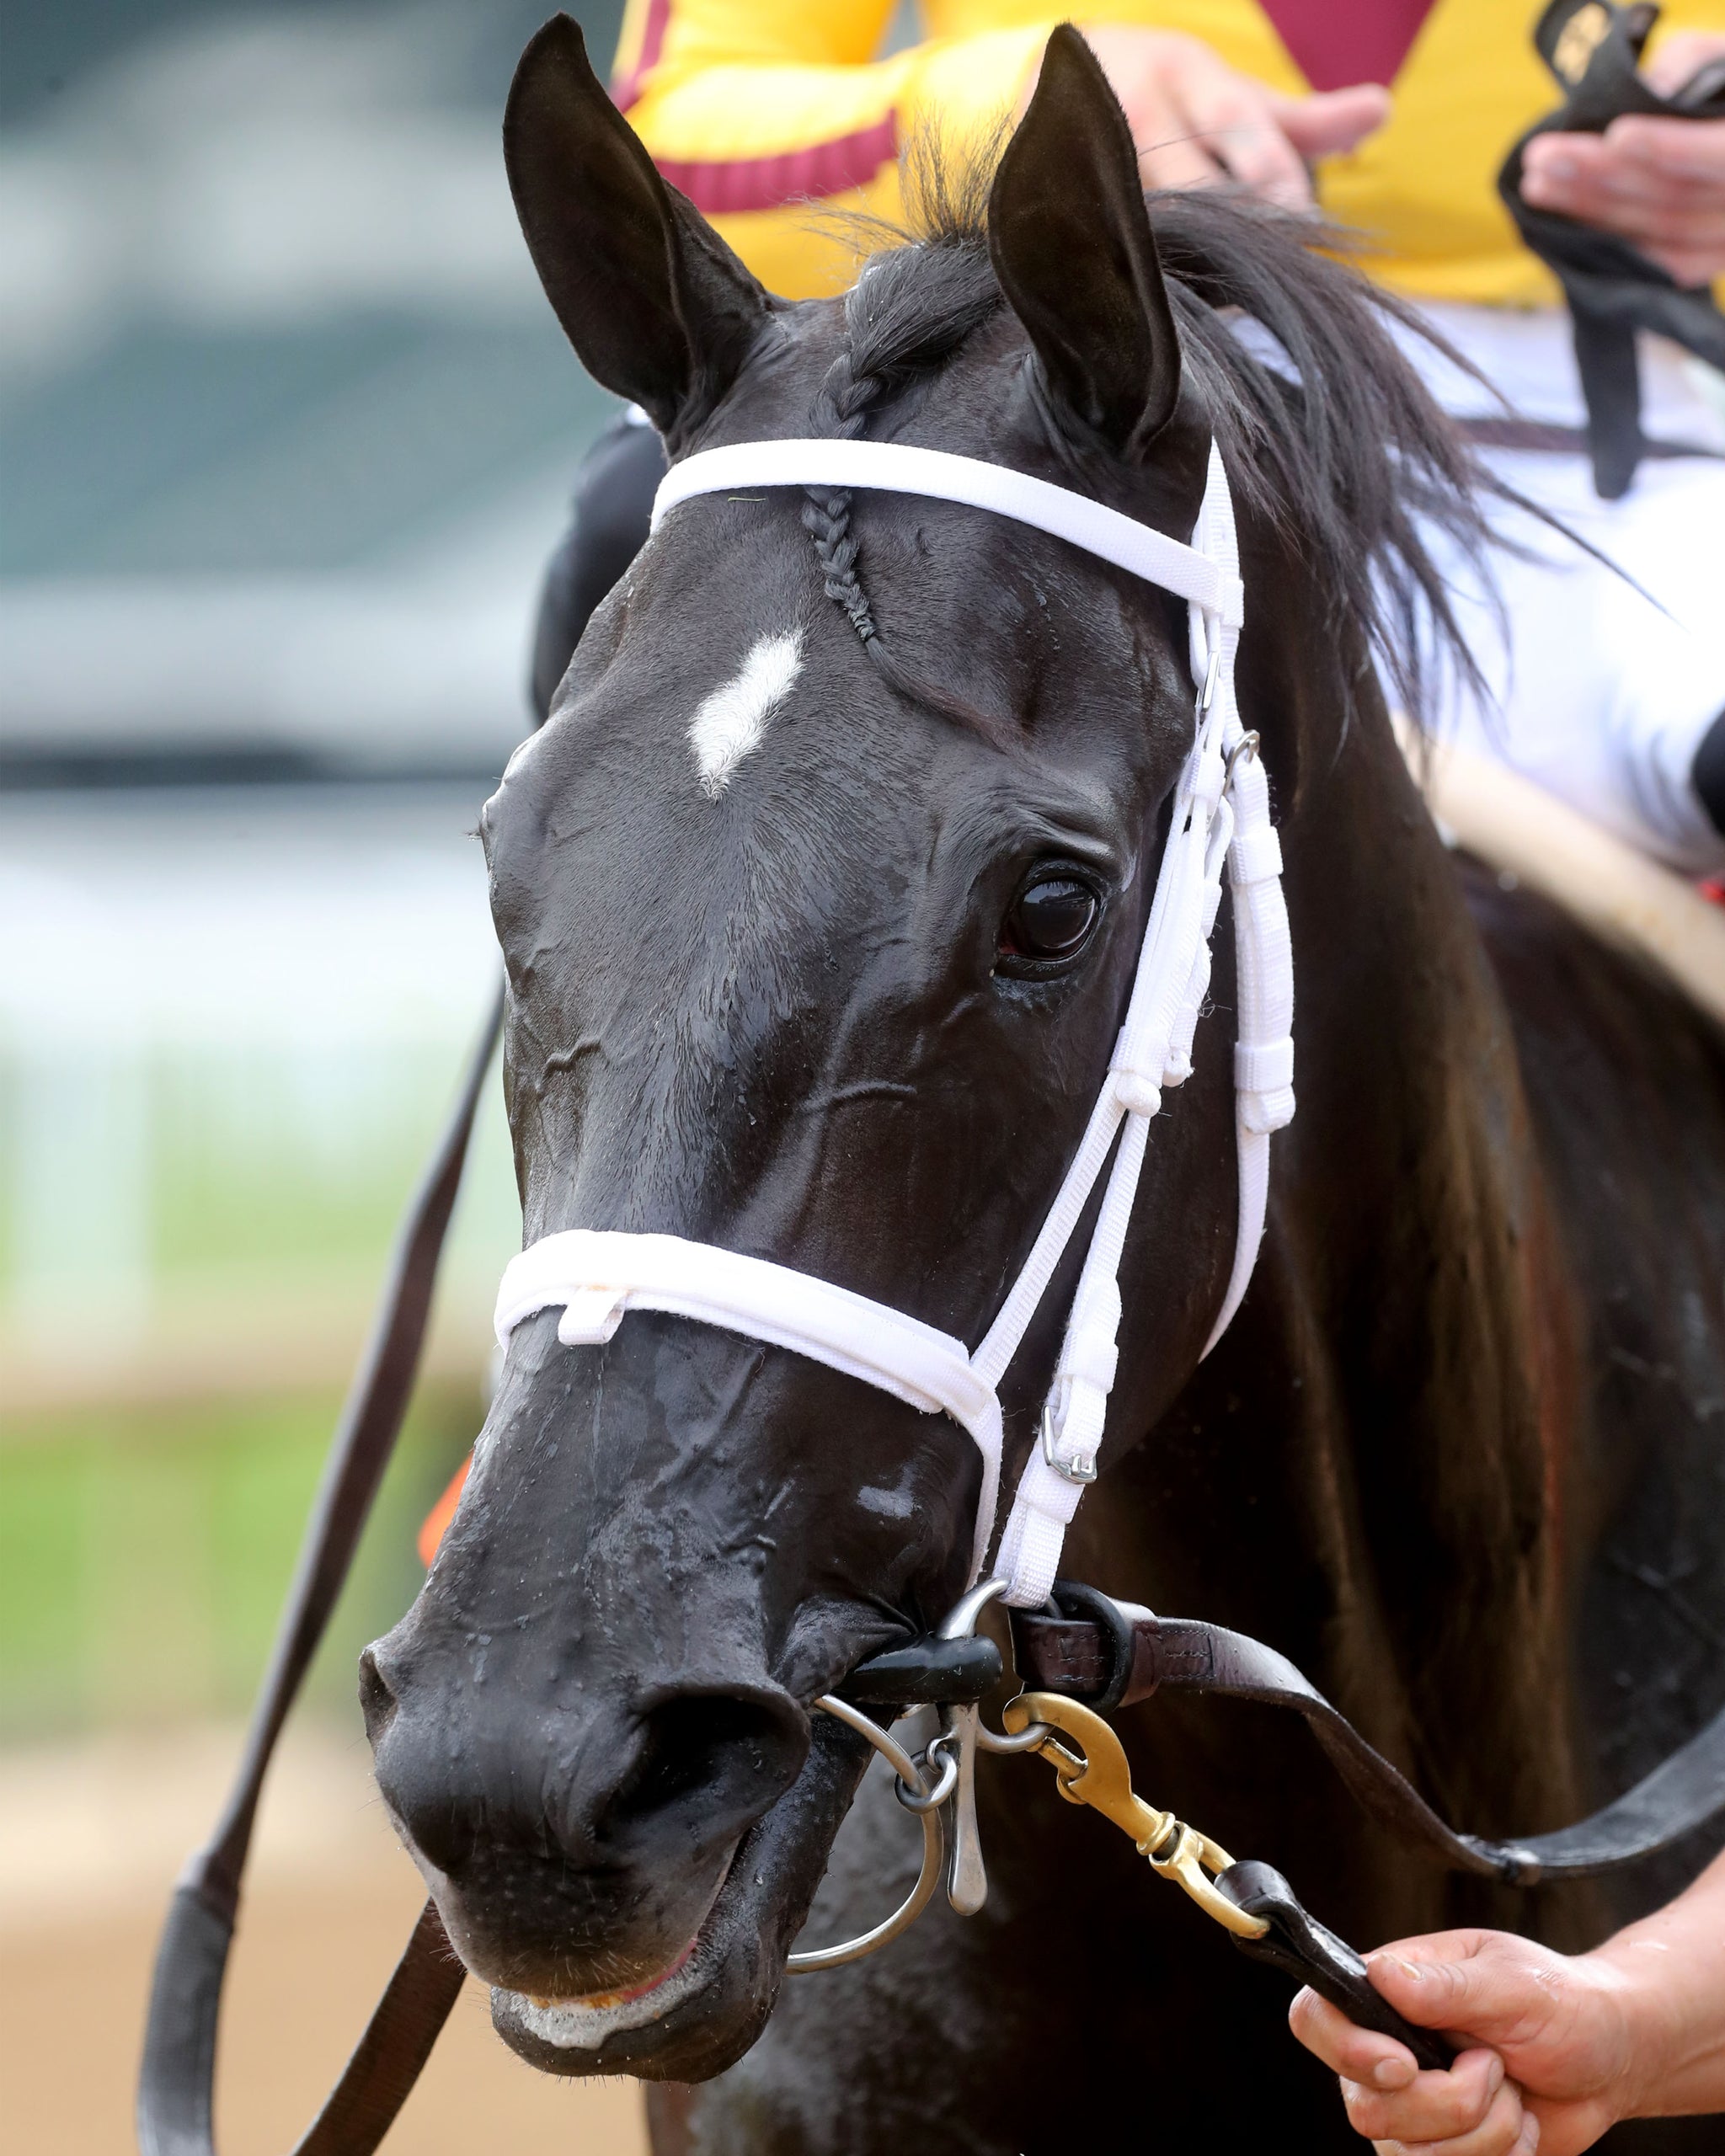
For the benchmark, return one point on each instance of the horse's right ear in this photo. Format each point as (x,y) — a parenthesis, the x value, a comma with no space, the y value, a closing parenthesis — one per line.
(653,301)
(1075,254)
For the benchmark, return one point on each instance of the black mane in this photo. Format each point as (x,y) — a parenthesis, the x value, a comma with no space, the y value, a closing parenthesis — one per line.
(1323,425)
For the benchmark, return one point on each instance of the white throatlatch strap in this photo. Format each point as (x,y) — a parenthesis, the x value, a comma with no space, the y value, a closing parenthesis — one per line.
(1220,818)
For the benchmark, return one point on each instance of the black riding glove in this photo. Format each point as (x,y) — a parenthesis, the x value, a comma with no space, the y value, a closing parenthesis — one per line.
(1613,290)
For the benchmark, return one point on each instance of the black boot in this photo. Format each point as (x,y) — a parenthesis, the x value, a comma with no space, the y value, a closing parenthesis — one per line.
(1710,772)
(608,524)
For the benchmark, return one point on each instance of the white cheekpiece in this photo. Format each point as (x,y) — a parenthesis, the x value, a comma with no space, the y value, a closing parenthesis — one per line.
(1220,816)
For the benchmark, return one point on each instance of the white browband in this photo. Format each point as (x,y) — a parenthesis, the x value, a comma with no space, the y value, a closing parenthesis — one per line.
(1220,814)
(900,468)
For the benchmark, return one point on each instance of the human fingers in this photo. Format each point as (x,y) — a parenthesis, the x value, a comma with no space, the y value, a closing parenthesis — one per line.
(1679,57)
(1641,155)
(1139,65)
(1508,2130)
(1684,153)
(1472,2098)
(1330,121)
(1659,184)
(1507,2117)
(1170,153)
(1490,1986)
(1238,125)
(1357,2054)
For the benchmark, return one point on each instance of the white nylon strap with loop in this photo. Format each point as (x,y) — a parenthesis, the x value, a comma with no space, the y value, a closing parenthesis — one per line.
(1220,815)
(595,1275)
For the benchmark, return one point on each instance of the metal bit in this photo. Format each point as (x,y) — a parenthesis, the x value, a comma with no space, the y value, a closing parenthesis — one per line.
(967,1880)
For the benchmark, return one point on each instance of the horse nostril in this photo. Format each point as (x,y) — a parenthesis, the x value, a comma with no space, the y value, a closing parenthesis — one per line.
(733,1752)
(377,1701)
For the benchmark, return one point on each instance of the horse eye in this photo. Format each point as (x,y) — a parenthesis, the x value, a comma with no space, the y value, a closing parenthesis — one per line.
(1049,919)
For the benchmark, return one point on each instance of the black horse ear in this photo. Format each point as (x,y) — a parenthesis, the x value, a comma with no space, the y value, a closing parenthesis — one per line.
(653,301)
(1074,252)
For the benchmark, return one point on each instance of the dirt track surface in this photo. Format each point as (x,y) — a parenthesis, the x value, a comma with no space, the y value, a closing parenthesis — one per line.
(90,1840)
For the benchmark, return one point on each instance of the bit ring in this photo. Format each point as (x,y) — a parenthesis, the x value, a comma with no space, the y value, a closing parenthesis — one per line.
(1025,1740)
(927,1879)
(942,1755)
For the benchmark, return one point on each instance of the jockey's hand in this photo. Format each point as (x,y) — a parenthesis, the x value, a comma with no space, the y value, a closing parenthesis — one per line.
(1197,120)
(1658,183)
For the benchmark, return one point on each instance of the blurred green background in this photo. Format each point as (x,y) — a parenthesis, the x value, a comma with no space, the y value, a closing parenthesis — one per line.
(214,1113)
(286,433)
(144,1550)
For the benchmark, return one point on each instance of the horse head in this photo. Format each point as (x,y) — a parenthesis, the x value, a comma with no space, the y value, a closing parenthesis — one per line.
(820,894)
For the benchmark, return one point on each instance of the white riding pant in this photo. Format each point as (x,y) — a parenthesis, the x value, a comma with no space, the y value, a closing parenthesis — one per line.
(1596,695)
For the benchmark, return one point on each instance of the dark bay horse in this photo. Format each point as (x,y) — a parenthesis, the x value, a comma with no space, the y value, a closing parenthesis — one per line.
(837,988)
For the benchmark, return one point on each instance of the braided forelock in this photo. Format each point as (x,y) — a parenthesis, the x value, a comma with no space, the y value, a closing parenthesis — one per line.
(909,311)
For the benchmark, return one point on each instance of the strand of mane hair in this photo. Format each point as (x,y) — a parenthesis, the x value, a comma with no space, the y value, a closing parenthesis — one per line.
(1321,418)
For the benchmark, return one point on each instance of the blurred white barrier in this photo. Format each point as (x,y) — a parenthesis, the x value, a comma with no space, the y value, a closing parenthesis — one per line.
(357,673)
(228,1024)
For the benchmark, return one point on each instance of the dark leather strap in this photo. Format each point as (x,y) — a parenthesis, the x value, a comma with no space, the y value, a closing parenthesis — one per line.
(176,2082)
(1074,1656)
(1593,49)
(390,2055)
(1309,1952)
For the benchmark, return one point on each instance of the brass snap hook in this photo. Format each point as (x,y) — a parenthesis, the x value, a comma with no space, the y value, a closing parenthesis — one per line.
(1100,1776)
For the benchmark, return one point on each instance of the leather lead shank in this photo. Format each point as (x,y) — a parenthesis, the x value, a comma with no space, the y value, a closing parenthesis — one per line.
(1074,1655)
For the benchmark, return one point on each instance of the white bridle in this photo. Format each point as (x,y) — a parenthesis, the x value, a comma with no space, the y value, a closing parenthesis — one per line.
(1221,812)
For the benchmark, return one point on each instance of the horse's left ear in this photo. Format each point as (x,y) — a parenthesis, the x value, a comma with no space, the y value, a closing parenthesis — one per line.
(1074,252)
(652,299)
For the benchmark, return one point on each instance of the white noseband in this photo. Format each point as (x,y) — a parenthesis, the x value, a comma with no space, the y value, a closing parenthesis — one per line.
(1221,812)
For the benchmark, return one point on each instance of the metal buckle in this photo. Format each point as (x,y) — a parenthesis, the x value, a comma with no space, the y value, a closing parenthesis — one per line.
(1243,751)
(1081,1466)
(1212,672)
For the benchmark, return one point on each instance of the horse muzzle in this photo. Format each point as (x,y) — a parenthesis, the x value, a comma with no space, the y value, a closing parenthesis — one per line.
(710,2000)
(573,1853)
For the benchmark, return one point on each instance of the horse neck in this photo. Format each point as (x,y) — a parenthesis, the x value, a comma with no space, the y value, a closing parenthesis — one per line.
(1378,1442)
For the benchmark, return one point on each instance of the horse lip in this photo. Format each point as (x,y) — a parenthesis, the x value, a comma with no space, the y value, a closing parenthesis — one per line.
(555,2021)
(601,2000)
(701,2018)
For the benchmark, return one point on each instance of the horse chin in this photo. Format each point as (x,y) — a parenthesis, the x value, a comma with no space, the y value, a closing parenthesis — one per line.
(700,2012)
(712,2001)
